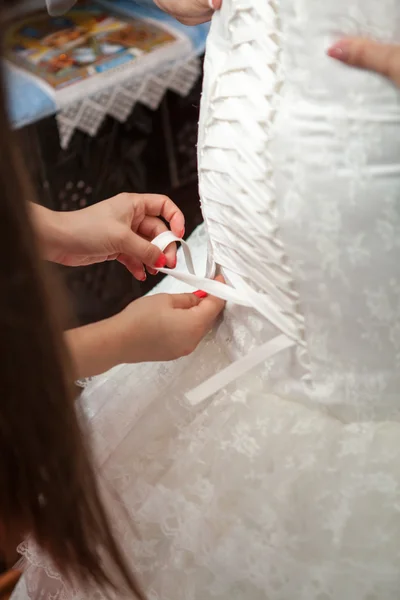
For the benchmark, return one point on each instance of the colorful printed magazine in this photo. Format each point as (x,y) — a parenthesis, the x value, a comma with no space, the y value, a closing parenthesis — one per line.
(89,41)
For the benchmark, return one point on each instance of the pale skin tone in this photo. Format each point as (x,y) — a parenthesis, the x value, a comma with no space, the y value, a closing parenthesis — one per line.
(190,12)
(161,327)
(117,229)
(157,328)
(368,54)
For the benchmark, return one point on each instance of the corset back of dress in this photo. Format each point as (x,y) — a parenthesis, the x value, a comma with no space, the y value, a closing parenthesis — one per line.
(299,161)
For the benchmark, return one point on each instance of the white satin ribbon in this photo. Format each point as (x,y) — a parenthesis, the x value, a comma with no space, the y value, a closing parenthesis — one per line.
(240,367)
(246,297)
(214,288)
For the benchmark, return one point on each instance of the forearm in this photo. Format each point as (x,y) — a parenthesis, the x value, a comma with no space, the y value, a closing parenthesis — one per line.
(99,347)
(49,230)
(95,348)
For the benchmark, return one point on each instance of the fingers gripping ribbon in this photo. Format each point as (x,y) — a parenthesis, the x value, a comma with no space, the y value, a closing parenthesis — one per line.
(245,296)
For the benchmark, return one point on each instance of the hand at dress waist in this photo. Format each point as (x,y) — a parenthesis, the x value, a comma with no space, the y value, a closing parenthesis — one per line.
(367,54)
(154,328)
(120,228)
(190,12)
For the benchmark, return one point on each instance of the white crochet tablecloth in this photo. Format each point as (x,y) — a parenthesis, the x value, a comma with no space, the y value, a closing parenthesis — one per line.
(175,67)
(118,101)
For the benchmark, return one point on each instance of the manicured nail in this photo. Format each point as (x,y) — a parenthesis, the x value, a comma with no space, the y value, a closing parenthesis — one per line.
(143,277)
(200,294)
(182,233)
(161,261)
(211,3)
(340,51)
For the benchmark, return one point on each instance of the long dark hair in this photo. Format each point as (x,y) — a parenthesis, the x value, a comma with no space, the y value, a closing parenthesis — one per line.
(48,485)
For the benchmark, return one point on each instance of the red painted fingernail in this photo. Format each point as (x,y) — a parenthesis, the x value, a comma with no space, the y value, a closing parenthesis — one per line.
(200,294)
(161,262)
(143,277)
(340,51)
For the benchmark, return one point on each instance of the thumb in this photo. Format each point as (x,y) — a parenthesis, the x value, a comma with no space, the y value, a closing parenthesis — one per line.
(205,308)
(198,313)
(207,311)
(367,54)
(184,301)
(134,246)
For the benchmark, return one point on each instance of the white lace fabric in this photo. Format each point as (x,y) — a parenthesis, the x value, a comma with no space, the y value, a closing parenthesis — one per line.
(275,488)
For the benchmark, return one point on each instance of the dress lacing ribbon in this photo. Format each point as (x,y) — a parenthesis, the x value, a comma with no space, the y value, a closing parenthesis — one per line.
(243,295)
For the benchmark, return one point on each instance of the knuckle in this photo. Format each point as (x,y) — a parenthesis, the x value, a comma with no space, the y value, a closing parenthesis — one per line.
(163,199)
(125,237)
(122,197)
(127,199)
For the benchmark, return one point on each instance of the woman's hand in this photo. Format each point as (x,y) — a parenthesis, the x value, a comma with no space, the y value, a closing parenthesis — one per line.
(190,12)
(120,228)
(367,54)
(154,328)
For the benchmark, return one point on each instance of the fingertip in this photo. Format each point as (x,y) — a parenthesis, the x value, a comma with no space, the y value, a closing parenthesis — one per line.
(200,294)
(161,261)
(340,51)
(171,255)
(220,278)
(211,306)
(172,262)
(140,275)
(134,267)
(177,225)
(185,301)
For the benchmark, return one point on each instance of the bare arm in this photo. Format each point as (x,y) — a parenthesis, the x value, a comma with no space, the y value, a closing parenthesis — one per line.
(49,230)
(155,328)
(94,348)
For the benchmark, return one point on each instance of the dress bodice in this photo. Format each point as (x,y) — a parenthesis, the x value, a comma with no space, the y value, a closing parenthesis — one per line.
(299,162)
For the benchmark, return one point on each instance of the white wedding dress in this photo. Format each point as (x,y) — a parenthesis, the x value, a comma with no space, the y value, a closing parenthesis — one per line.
(278,479)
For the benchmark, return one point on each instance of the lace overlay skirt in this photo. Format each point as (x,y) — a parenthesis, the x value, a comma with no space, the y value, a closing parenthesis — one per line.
(247,496)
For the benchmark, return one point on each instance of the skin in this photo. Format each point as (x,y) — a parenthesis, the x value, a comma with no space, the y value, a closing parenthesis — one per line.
(162,327)
(190,12)
(120,228)
(157,328)
(368,54)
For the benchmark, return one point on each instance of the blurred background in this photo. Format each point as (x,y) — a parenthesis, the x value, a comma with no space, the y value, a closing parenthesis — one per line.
(104,100)
(85,138)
